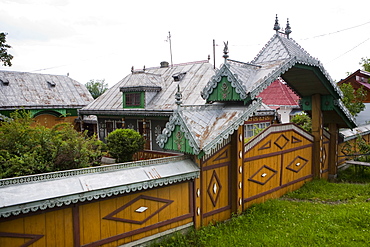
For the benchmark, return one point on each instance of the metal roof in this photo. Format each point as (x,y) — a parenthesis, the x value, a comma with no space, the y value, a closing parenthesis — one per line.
(195,76)
(38,192)
(206,126)
(350,134)
(279,94)
(31,90)
(282,57)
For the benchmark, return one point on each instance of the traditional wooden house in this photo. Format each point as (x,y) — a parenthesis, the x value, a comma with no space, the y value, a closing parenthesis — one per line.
(51,99)
(223,173)
(359,79)
(144,100)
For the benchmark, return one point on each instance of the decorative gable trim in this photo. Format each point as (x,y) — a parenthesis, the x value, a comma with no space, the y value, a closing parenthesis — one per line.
(177,120)
(224,71)
(288,65)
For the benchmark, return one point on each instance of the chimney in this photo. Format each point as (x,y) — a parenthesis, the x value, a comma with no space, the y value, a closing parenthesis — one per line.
(164,64)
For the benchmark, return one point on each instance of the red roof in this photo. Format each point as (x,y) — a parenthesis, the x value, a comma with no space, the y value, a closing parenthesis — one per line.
(279,94)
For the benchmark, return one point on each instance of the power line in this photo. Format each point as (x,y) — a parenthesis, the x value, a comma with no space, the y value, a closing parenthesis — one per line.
(349,28)
(350,50)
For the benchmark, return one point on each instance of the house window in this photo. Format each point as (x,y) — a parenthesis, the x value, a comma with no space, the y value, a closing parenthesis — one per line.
(133,99)
(253,129)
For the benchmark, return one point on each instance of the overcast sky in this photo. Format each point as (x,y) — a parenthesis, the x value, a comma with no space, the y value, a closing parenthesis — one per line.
(102,39)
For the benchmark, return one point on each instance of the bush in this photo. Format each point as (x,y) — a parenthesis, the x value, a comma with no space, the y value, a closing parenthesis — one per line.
(303,120)
(26,150)
(122,144)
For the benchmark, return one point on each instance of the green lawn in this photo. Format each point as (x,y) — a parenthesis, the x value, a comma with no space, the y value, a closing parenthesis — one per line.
(318,214)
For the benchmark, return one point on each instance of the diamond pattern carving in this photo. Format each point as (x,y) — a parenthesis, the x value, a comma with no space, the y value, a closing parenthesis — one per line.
(154,206)
(267,145)
(263,175)
(281,141)
(297,164)
(214,188)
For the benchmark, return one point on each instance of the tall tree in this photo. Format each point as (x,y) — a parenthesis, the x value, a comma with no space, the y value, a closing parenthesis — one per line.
(96,87)
(5,57)
(353,99)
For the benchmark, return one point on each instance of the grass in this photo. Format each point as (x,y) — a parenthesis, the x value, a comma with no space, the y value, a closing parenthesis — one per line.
(318,214)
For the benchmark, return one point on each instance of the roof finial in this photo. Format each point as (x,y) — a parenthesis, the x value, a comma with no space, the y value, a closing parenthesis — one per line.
(276,26)
(178,97)
(288,29)
(132,69)
(226,50)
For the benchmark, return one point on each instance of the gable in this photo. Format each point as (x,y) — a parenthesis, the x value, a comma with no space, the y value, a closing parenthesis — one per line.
(224,91)
(177,142)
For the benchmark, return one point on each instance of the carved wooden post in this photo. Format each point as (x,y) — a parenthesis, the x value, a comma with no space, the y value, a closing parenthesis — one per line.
(317,132)
(237,155)
(198,194)
(333,151)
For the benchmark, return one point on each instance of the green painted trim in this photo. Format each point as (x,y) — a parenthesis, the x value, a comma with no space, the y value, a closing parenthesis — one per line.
(178,142)
(54,112)
(321,77)
(224,92)
(142,100)
(201,154)
(350,124)
(327,102)
(306,103)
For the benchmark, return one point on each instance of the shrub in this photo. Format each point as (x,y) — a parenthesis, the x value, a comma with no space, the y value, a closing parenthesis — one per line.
(303,120)
(122,144)
(26,150)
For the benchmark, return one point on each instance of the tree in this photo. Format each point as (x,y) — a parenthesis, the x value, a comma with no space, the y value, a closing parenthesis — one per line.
(96,87)
(303,120)
(353,99)
(124,143)
(365,63)
(26,150)
(5,57)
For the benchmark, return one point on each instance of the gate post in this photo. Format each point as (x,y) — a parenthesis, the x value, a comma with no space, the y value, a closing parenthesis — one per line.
(333,151)
(317,132)
(236,171)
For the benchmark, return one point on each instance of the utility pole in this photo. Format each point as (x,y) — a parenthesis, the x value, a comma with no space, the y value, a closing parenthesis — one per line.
(169,39)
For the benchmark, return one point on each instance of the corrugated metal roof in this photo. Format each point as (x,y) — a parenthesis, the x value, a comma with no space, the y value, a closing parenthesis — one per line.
(32,193)
(281,57)
(31,90)
(196,77)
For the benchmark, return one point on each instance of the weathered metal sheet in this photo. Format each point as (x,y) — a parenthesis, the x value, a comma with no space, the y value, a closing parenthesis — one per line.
(62,188)
(196,77)
(31,90)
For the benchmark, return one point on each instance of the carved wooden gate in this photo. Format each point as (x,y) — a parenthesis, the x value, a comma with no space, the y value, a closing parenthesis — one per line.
(276,161)
(215,184)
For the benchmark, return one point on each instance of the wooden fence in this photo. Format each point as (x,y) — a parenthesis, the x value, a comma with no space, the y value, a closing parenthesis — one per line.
(231,179)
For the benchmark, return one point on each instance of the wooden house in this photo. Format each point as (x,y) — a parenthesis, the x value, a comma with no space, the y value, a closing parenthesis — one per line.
(222,173)
(144,100)
(51,99)
(359,79)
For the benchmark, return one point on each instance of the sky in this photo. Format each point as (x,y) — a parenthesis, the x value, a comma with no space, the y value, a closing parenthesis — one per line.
(95,40)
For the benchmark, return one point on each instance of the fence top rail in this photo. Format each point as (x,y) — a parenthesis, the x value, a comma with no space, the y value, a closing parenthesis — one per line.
(88,170)
(33,193)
